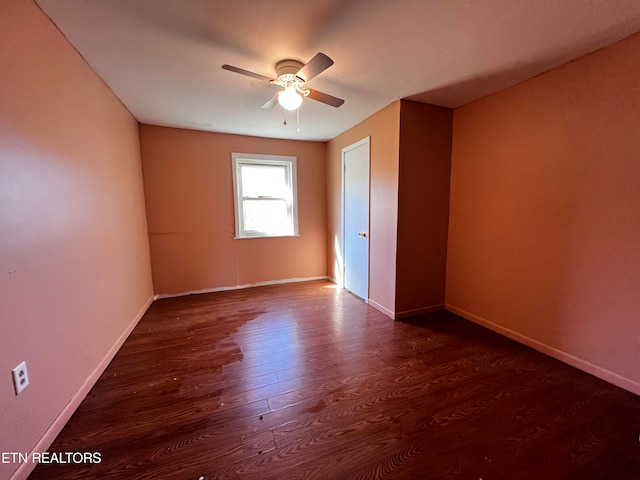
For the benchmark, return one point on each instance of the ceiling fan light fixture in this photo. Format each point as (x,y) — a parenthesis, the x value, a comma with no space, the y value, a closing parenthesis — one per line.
(289,98)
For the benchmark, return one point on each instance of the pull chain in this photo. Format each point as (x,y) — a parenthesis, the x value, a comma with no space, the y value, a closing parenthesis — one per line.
(284,116)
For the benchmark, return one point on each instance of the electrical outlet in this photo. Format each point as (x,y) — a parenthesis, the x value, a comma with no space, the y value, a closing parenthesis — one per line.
(20,377)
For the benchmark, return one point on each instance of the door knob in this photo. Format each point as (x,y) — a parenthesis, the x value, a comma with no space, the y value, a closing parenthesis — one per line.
(362,234)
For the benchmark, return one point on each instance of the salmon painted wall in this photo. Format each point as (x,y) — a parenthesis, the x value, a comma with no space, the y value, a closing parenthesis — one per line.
(545,213)
(423,207)
(384,128)
(74,260)
(189,195)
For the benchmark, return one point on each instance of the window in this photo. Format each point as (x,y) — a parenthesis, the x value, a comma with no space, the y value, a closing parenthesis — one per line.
(265,195)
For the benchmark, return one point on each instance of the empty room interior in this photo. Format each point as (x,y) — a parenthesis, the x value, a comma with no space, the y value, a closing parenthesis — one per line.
(423,264)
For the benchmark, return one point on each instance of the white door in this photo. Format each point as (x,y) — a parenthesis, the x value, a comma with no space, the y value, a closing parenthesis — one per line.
(355,215)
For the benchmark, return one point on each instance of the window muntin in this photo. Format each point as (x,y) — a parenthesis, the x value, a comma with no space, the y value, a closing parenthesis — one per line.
(265,195)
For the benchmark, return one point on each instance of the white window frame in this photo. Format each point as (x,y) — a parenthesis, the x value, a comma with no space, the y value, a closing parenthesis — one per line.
(239,159)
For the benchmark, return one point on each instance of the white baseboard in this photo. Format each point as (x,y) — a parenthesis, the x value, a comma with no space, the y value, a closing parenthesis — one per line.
(382,309)
(25,469)
(418,311)
(405,313)
(238,287)
(561,355)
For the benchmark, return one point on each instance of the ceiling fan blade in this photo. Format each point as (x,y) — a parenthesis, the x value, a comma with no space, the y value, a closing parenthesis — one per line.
(315,66)
(242,71)
(325,98)
(271,102)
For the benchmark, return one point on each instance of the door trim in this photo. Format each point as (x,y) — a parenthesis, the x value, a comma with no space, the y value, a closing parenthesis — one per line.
(365,141)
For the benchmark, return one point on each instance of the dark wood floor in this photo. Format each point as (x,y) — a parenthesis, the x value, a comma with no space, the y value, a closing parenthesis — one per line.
(304,381)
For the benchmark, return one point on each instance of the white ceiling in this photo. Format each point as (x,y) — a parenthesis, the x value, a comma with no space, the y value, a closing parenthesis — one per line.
(162,58)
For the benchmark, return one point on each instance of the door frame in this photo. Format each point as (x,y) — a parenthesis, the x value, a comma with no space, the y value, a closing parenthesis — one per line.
(365,141)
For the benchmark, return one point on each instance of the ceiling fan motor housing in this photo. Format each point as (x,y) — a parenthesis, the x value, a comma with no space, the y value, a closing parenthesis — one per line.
(286,70)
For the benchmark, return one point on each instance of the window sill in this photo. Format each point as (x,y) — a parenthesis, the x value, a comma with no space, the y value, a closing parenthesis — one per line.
(249,237)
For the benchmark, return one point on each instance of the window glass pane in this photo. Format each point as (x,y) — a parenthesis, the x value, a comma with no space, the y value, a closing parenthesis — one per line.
(264,181)
(266,216)
(265,195)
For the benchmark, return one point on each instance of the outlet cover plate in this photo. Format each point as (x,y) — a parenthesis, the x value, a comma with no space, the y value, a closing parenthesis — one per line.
(20,377)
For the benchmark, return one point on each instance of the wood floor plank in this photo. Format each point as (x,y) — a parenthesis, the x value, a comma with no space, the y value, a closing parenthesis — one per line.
(304,381)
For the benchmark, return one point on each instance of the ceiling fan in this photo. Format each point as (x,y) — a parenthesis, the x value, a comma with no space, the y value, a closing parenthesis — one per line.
(293,75)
